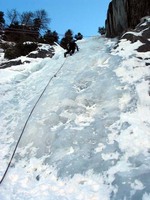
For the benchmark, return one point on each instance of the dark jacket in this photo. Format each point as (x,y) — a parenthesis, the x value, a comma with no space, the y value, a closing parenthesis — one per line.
(71,48)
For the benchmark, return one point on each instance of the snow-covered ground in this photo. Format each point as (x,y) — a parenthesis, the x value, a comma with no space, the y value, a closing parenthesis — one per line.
(88,137)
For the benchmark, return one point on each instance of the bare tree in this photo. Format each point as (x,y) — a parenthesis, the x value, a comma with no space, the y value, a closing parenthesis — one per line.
(13,16)
(41,19)
(26,18)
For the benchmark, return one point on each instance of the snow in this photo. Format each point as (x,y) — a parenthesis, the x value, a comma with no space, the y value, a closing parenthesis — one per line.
(88,137)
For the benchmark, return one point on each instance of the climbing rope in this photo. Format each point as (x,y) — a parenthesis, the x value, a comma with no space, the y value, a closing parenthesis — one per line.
(8,166)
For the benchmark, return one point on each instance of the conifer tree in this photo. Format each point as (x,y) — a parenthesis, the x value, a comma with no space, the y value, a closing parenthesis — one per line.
(78,36)
(51,37)
(66,39)
(101,30)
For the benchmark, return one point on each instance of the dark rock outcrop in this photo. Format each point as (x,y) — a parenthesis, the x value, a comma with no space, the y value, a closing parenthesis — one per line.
(125,14)
(42,53)
(10,63)
(140,33)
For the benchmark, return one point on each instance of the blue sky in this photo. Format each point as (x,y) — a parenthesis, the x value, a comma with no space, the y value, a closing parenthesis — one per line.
(83,16)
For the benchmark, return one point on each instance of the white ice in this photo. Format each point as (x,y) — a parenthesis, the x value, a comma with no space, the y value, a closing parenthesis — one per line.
(88,137)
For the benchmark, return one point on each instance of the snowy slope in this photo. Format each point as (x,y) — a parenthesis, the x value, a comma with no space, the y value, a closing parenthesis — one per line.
(88,137)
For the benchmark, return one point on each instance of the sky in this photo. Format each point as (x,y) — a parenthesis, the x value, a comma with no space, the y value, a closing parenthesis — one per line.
(84,16)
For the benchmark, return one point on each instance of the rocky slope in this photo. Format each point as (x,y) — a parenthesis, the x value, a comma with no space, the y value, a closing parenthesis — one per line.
(42,51)
(141,33)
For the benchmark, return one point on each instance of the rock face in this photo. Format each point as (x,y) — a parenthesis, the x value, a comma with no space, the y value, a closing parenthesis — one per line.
(125,14)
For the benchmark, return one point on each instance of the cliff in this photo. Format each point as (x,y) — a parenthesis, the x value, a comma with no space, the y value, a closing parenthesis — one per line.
(125,14)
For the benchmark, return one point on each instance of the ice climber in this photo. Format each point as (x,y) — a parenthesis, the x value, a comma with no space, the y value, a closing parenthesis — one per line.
(71,49)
